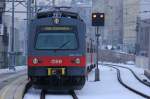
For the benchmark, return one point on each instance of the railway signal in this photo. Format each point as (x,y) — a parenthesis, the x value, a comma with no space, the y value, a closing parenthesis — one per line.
(98,20)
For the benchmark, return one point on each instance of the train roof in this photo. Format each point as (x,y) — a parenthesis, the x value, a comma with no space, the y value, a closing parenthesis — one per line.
(63,14)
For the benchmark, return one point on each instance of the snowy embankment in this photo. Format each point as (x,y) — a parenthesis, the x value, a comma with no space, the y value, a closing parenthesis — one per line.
(18,68)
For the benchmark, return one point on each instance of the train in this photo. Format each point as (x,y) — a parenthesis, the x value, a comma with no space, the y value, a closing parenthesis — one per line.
(60,53)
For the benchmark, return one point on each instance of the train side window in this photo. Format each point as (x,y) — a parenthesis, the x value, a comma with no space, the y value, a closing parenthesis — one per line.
(91,50)
(88,48)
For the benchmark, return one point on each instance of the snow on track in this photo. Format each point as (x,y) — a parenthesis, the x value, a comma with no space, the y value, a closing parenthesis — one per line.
(18,68)
(32,94)
(15,89)
(139,71)
(58,97)
(35,94)
(130,80)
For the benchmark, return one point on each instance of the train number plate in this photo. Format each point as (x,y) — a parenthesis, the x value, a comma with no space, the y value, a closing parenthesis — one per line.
(56,71)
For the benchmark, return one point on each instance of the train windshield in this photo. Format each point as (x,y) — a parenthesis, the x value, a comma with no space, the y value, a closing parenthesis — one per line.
(64,41)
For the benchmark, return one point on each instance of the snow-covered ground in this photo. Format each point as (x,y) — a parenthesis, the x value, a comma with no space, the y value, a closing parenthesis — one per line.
(18,68)
(138,70)
(107,88)
(133,82)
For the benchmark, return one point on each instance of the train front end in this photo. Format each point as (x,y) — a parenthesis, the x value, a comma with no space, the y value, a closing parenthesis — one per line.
(56,51)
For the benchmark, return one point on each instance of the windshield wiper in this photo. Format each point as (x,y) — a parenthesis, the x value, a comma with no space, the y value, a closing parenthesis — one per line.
(64,44)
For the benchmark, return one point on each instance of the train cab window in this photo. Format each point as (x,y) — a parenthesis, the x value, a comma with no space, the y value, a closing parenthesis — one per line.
(60,41)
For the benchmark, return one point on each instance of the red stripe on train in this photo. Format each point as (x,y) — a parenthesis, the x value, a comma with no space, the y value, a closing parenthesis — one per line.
(57,61)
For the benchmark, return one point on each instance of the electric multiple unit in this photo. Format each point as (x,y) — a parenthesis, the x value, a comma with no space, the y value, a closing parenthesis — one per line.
(59,53)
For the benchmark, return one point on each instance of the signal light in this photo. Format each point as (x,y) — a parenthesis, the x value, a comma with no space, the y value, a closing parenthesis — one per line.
(94,16)
(98,19)
(101,16)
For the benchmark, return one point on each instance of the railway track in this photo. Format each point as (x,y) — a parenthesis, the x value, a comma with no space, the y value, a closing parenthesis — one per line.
(146,83)
(125,85)
(7,78)
(44,93)
(15,89)
(73,94)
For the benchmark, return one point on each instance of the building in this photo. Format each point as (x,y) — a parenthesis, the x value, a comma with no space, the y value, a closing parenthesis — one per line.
(3,46)
(130,15)
(19,38)
(142,42)
(114,22)
(112,32)
(113,29)
(147,72)
(143,31)
(3,37)
(143,37)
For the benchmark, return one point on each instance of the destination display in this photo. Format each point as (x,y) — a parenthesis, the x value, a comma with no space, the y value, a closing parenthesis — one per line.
(56,28)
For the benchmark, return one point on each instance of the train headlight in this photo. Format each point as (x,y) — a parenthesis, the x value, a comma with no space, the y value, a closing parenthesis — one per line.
(35,61)
(77,61)
(56,20)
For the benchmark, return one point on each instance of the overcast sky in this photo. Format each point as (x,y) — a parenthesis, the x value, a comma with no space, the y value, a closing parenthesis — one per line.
(144,6)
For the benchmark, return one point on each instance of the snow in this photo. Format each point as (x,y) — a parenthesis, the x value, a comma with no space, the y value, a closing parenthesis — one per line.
(18,68)
(107,88)
(130,63)
(33,94)
(138,71)
(133,82)
(58,97)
